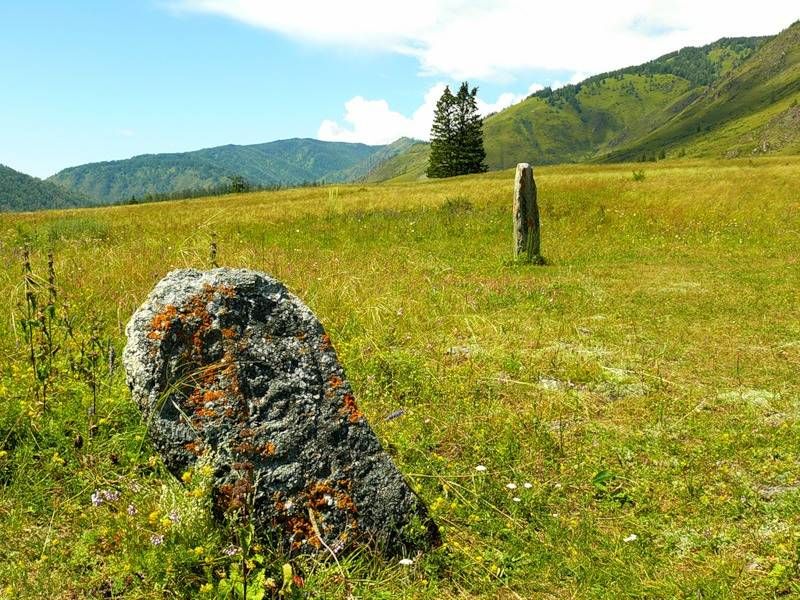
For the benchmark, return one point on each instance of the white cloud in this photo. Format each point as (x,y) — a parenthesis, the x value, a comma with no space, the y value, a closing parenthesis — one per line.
(374,122)
(499,39)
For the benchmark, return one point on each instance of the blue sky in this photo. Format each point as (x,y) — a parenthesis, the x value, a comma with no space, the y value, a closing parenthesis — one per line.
(91,80)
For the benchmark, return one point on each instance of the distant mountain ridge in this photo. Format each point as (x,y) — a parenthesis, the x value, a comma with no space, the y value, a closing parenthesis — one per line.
(284,162)
(729,98)
(20,192)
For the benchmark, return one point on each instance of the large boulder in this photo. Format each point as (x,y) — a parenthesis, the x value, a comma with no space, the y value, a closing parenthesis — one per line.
(230,366)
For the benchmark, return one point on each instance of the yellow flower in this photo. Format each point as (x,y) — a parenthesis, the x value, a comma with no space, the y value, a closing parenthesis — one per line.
(187,476)
(3,454)
(206,471)
(199,550)
(206,588)
(152,518)
(166,523)
(57,460)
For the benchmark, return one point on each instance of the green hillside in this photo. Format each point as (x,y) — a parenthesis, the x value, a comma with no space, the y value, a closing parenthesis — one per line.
(752,109)
(719,100)
(20,192)
(284,162)
(406,166)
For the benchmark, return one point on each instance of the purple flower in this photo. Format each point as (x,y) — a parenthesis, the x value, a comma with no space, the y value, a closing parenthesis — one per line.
(132,510)
(174,516)
(231,551)
(97,498)
(111,495)
(157,539)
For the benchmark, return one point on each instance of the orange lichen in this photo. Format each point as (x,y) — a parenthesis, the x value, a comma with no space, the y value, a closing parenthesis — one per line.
(335,381)
(161,322)
(244,448)
(350,408)
(301,530)
(194,448)
(233,496)
(326,342)
(229,333)
(267,449)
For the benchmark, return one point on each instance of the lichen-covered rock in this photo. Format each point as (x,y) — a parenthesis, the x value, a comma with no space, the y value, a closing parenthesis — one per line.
(228,365)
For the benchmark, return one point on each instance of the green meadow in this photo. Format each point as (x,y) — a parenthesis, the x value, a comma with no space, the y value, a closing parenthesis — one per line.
(633,405)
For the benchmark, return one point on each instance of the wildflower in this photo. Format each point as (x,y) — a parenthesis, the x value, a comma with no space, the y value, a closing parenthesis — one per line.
(206,588)
(406,562)
(157,539)
(97,498)
(132,510)
(111,495)
(174,516)
(231,551)
(527,485)
(153,517)
(517,499)
(337,546)
(480,468)
(511,486)
(186,477)
(199,550)
(631,538)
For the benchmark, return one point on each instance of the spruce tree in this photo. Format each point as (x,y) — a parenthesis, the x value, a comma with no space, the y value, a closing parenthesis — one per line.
(440,163)
(457,135)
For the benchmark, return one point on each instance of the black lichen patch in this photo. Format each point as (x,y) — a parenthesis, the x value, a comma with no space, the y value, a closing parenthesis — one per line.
(228,364)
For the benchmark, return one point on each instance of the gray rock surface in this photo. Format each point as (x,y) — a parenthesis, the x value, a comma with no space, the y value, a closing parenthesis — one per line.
(229,365)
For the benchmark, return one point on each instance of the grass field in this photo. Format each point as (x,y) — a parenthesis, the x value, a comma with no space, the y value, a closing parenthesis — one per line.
(641,390)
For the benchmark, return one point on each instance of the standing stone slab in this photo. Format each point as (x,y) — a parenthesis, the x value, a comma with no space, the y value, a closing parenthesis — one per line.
(230,366)
(527,232)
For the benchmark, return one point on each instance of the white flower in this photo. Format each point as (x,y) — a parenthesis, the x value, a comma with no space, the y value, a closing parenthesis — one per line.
(631,538)
(516,499)
(527,485)
(480,468)
(406,562)
(511,486)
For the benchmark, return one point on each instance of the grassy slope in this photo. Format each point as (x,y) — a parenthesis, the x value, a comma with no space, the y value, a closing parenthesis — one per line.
(22,192)
(749,106)
(287,162)
(725,99)
(660,345)
(406,166)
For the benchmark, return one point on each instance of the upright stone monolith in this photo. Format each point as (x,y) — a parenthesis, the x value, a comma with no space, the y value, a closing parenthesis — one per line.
(527,234)
(230,368)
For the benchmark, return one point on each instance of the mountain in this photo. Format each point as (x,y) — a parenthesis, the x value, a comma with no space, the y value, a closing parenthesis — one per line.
(20,192)
(284,162)
(751,109)
(723,99)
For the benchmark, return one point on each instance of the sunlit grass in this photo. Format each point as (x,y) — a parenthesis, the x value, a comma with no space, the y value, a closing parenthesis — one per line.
(644,383)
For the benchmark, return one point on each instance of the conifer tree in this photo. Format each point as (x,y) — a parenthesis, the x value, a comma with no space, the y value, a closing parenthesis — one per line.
(457,135)
(440,163)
